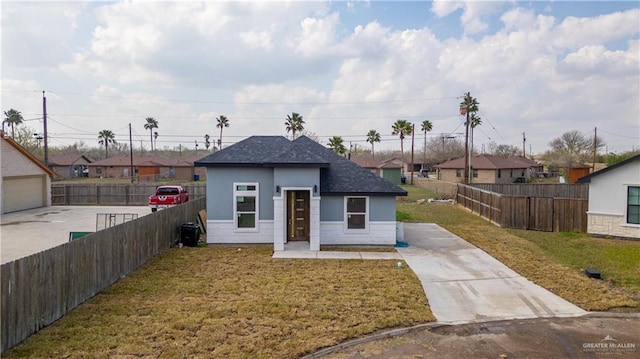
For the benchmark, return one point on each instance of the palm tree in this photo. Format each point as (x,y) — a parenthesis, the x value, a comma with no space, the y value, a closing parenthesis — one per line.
(155,140)
(426,126)
(372,137)
(207,143)
(336,144)
(294,123)
(150,125)
(105,137)
(468,107)
(474,121)
(223,122)
(402,128)
(13,117)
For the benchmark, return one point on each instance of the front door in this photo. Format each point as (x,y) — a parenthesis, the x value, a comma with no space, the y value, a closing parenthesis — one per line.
(298,215)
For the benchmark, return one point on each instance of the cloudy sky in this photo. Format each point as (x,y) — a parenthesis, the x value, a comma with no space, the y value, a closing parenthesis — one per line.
(537,67)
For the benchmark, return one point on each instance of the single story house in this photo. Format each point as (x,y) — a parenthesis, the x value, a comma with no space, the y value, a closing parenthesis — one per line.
(148,168)
(389,170)
(25,182)
(614,200)
(268,189)
(484,169)
(69,165)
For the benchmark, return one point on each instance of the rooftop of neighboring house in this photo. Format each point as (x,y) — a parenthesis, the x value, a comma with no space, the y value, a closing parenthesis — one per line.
(338,175)
(484,162)
(160,161)
(68,160)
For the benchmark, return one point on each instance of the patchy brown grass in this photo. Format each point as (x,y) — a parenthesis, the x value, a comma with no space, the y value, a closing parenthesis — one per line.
(558,267)
(234,302)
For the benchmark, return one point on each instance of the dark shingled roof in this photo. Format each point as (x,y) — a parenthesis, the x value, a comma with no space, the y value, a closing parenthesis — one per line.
(338,175)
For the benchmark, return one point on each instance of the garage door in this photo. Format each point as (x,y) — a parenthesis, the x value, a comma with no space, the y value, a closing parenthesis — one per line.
(23,193)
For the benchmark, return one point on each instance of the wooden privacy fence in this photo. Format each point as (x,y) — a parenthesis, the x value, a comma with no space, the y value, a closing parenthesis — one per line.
(41,288)
(521,211)
(115,194)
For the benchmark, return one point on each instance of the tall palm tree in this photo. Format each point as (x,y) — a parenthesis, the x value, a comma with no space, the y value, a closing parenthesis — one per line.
(372,137)
(294,123)
(426,126)
(223,122)
(207,143)
(468,107)
(155,139)
(336,144)
(150,125)
(105,137)
(13,117)
(402,128)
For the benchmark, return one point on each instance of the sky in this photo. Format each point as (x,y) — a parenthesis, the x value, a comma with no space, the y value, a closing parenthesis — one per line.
(540,68)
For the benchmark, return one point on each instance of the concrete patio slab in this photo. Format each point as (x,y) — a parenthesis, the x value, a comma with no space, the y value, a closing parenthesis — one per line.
(27,232)
(464,284)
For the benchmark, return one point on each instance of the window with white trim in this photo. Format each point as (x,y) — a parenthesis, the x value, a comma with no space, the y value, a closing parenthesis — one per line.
(245,205)
(633,205)
(357,213)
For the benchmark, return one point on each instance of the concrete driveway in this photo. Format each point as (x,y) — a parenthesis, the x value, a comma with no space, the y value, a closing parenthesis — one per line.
(466,285)
(27,232)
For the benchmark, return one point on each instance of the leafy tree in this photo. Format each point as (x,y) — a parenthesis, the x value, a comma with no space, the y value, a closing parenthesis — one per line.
(425,126)
(336,144)
(572,147)
(294,123)
(105,137)
(612,158)
(223,122)
(13,117)
(402,128)
(503,151)
(150,125)
(372,137)
(207,143)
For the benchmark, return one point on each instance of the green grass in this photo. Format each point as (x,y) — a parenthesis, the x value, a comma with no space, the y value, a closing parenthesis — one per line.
(234,302)
(617,260)
(555,261)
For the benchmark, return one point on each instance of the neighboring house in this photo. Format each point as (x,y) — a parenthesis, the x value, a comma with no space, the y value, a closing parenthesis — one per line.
(614,200)
(25,181)
(268,189)
(69,166)
(533,167)
(148,168)
(484,168)
(388,170)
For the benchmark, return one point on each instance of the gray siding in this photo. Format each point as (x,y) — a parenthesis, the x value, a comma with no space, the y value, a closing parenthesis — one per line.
(380,208)
(297,177)
(220,190)
(331,208)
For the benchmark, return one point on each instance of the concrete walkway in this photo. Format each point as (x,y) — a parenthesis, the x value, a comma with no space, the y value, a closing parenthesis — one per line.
(466,285)
(300,250)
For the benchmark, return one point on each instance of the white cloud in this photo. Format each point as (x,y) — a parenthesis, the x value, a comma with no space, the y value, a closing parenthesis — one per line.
(574,32)
(318,35)
(257,39)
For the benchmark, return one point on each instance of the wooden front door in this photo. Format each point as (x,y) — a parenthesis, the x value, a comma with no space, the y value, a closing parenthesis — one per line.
(298,215)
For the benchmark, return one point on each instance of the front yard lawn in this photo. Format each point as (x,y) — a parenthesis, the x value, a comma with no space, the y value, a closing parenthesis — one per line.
(234,302)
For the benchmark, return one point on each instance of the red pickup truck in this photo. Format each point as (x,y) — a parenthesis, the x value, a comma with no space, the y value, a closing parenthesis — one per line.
(168,196)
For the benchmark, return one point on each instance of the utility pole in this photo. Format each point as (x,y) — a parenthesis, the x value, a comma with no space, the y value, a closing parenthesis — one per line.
(595,148)
(465,111)
(413,136)
(130,153)
(196,142)
(524,146)
(46,134)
